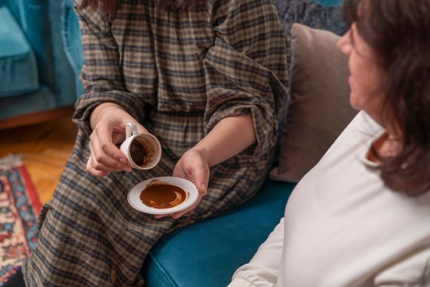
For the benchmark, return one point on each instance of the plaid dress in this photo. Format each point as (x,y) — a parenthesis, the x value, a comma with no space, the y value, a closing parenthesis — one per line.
(178,76)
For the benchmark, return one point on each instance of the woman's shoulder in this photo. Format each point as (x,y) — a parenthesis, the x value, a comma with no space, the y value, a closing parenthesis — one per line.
(363,125)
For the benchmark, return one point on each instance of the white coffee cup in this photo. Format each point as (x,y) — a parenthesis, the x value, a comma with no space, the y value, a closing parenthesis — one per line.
(143,150)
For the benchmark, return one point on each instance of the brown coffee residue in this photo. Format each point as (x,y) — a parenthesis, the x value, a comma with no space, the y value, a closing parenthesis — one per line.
(160,195)
(140,152)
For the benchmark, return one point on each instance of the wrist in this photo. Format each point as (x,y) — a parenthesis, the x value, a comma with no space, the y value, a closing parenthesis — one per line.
(204,153)
(100,111)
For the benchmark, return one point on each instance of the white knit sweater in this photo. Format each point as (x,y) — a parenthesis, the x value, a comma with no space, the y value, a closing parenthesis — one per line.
(343,227)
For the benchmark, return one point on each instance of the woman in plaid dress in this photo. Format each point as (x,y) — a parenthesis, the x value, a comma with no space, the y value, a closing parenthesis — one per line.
(208,79)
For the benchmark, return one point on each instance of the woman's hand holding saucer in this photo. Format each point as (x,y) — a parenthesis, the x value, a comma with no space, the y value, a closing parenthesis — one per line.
(193,167)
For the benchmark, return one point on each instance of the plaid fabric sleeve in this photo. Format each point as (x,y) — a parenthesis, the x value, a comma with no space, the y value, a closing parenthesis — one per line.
(246,67)
(101,76)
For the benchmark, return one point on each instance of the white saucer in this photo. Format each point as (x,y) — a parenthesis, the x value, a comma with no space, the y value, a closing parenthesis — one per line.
(133,196)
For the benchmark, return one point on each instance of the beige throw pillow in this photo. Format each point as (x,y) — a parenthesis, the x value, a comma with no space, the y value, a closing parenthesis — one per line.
(318,109)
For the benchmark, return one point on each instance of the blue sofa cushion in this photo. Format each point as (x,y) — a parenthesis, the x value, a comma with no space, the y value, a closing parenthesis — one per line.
(208,253)
(18,67)
(72,47)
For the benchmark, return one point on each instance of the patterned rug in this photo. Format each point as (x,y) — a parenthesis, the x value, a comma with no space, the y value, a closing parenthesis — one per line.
(19,208)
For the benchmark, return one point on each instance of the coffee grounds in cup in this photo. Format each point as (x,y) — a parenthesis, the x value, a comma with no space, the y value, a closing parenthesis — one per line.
(140,154)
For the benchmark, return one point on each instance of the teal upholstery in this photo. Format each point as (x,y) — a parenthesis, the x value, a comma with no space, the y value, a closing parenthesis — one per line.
(207,253)
(16,58)
(329,2)
(37,101)
(35,74)
(324,3)
(73,48)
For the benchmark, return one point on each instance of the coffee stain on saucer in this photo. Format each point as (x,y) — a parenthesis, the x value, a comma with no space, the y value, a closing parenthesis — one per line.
(162,195)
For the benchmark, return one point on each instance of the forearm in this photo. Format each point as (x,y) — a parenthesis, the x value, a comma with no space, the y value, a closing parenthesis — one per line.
(229,137)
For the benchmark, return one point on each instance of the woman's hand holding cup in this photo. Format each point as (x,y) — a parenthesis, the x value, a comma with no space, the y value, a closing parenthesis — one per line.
(108,122)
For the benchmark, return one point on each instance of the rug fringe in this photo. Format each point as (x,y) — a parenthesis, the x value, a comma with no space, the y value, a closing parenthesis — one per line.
(11,160)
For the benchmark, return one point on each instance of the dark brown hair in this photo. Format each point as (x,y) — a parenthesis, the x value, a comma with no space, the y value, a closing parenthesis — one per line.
(108,8)
(397,33)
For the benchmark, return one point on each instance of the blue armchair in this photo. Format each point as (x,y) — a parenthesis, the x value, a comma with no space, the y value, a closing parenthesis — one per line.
(207,253)
(36,79)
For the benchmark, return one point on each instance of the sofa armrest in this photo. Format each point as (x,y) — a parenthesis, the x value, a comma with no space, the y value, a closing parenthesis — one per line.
(40,20)
(71,36)
(32,16)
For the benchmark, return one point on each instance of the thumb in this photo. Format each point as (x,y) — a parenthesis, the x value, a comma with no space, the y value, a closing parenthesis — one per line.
(201,176)
(140,128)
(202,188)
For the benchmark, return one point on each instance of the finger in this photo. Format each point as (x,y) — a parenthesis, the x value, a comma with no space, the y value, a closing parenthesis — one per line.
(141,129)
(99,170)
(198,172)
(200,177)
(104,142)
(181,213)
(97,151)
(118,134)
(158,216)
(106,165)
(99,166)
(90,168)
(106,155)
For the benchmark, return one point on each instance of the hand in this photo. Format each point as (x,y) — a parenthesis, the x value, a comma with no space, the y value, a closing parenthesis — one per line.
(194,167)
(108,121)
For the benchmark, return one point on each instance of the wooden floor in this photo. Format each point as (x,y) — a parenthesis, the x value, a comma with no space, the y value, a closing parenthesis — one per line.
(46,147)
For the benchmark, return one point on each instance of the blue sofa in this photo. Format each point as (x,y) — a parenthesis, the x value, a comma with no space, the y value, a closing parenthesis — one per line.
(35,76)
(206,254)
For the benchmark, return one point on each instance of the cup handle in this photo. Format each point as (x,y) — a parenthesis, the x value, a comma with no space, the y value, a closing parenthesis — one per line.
(130,129)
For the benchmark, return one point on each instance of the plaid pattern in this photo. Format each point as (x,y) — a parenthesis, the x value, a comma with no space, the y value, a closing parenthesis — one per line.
(178,76)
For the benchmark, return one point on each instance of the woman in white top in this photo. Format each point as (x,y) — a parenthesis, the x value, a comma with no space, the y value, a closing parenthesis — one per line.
(361,217)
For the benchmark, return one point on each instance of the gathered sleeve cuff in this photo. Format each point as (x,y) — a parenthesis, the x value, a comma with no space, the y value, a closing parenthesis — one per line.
(100,75)
(246,68)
